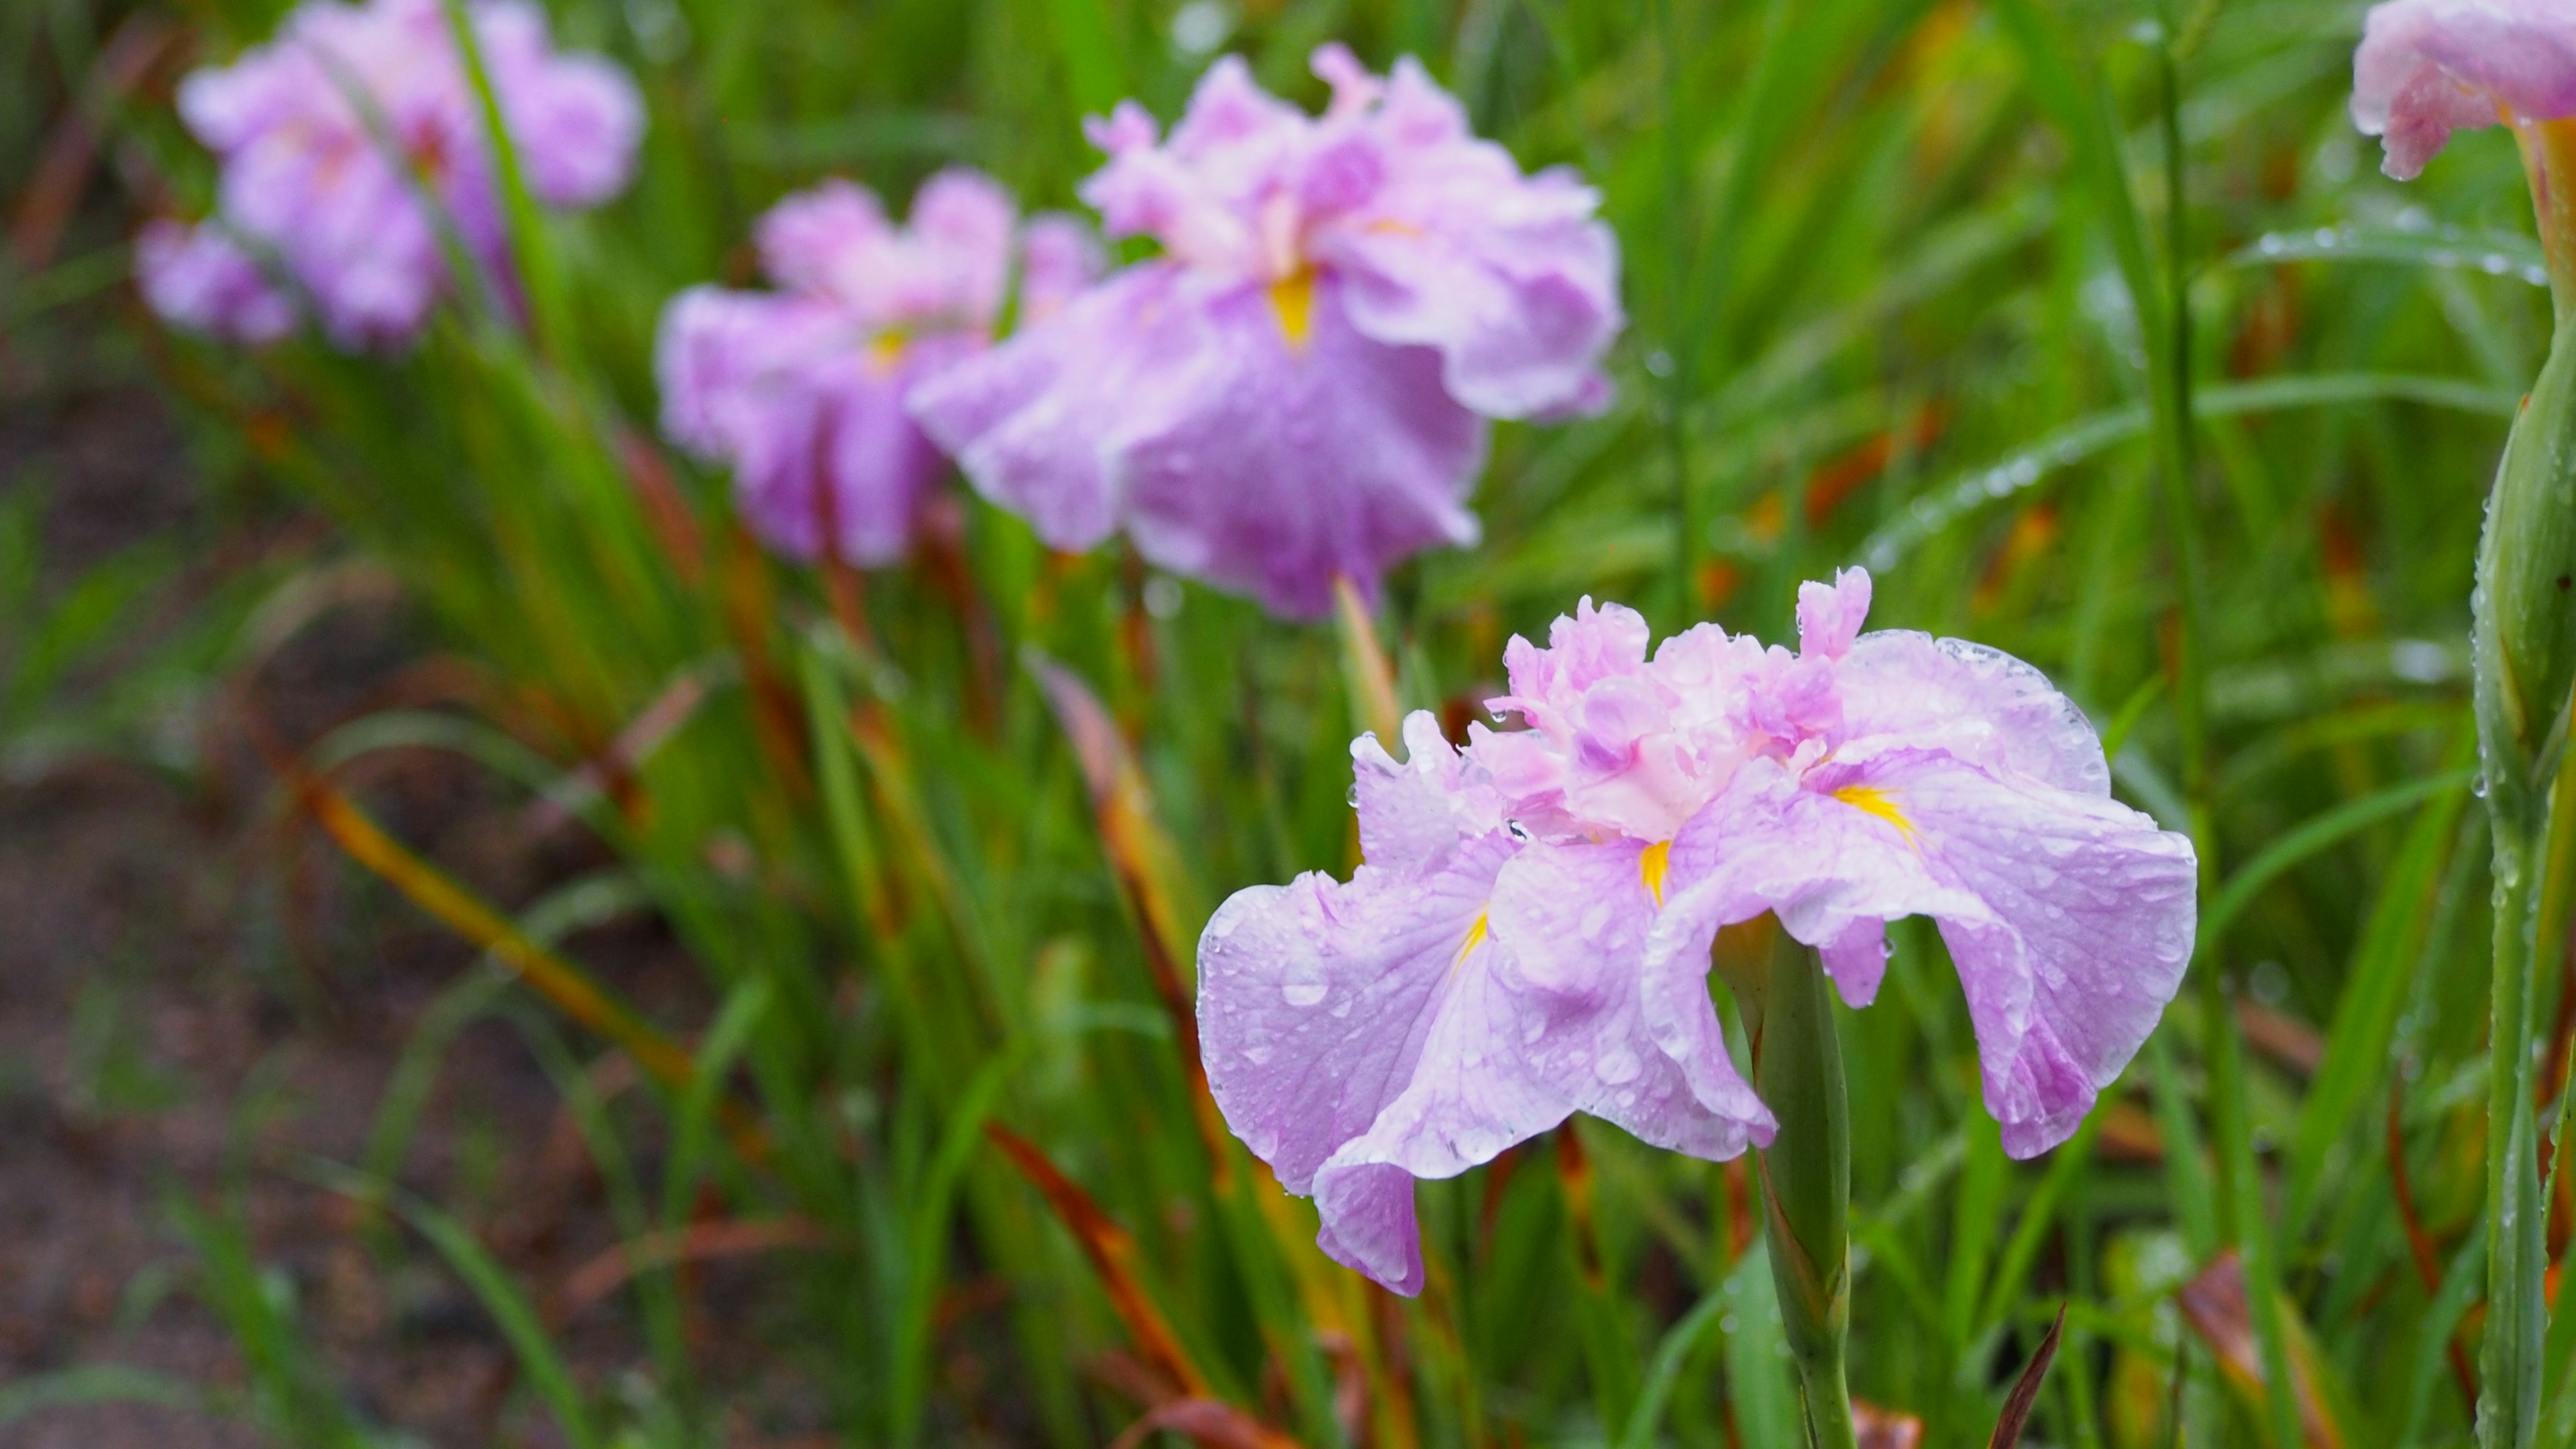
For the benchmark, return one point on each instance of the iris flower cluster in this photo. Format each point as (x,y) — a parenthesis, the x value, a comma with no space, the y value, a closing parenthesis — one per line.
(1295,390)
(1529,935)
(351,141)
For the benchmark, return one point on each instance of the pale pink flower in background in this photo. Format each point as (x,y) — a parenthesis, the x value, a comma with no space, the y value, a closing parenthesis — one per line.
(2427,68)
(1529,935)
(329,134)
(198,278)
(801,391)
(1298,387)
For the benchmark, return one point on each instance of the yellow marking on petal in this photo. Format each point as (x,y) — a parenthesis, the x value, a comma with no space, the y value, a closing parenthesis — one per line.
(886,353)
(1882,804)
(1654,865)
(1475,938)
(1293,298)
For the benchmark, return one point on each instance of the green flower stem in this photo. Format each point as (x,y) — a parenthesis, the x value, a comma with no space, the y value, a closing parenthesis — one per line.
(2524,641)
(1806,1174)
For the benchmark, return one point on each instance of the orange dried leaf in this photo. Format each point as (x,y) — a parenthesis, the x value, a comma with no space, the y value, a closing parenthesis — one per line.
(2215,1306)
(1885,1428)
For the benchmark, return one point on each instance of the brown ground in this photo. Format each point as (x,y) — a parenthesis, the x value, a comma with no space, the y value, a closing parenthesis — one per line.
(193,996)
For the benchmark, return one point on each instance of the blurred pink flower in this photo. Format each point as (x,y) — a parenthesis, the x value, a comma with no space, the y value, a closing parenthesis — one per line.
(329,133)
(197,278)
(800,391)
(1529,936)
(1297,387)
(2427,68)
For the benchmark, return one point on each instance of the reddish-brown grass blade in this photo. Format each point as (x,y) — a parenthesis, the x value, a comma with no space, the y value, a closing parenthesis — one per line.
(565,986)
(1113,1256)
(2025,1390)
(609,1271)
(2419,1243)
(1208,1423)
(1148,871)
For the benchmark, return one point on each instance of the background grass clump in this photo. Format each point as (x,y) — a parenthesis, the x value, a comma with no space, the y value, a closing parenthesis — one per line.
(1942,288)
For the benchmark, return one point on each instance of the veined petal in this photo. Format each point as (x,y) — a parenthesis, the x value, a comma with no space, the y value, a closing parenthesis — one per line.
(1039,423)
(1352,1031)
(2088,924)
(1414,813)
(1573,922)
(1284,465)
(1976,703)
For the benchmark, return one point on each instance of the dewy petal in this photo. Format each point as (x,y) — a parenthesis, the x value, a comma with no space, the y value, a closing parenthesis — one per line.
(1856,958)
(1978,703)
(2090,917)
(2069,916)
(1322,1006)
(1830,615)
(1289,464)
(1573,921)
(2426,68)
(1413,814)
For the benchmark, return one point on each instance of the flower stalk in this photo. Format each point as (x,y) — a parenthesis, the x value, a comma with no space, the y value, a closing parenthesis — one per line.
(1783,992)
(2524,641)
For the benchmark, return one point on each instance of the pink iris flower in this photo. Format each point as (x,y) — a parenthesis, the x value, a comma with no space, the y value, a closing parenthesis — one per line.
(1530,933)
(800,391)
(2427,68)
(331,207)
(1298,387)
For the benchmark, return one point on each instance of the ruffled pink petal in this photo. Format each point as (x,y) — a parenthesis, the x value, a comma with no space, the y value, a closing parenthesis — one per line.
(1974,702)
(2090,913)
(1856,959)
(1321,1005)
(1573,921)
(1830,615)
(577,120)
(1041,424)
(2069,917)
(1279,466)
(783,391)
(2426,68)
(1583,648)
(1414,813)
(809,235)
(961,230)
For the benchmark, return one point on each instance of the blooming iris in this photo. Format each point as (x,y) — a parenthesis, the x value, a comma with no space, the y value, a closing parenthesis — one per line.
(1298,386)
(331,133)
(801,390)
(1530,933)
(2427,68)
